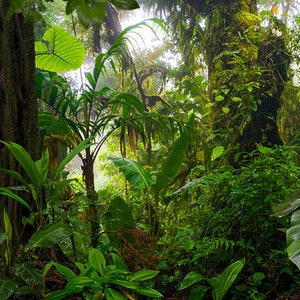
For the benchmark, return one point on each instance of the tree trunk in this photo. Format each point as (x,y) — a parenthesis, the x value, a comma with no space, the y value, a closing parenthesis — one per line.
(92,196)
(18,105)
(247,68)
(274,60)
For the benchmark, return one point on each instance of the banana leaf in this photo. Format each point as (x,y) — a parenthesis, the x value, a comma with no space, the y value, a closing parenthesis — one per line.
(134,173)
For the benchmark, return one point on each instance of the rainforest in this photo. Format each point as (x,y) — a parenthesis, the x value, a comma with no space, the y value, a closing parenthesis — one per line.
(149,149)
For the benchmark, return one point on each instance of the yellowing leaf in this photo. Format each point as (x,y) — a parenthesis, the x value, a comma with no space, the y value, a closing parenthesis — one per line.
(200,155)
(275,10)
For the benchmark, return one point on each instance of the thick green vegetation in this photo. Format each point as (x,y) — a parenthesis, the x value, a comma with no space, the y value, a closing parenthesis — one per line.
(202,200)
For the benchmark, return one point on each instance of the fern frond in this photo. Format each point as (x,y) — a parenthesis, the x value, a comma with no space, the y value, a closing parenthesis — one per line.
(209,246)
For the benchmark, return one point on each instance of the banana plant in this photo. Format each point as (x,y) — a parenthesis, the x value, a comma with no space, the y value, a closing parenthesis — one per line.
(157,185)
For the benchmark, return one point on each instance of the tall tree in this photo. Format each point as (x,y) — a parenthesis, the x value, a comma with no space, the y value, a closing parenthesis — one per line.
(18,102)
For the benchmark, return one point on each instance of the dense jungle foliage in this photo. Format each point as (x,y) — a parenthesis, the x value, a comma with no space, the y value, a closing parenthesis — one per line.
(166,166)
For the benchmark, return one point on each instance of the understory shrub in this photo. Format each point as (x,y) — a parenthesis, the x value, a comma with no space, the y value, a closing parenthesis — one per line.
(230,218)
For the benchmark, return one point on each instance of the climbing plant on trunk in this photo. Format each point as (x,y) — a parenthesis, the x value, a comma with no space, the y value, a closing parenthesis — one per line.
(247,67)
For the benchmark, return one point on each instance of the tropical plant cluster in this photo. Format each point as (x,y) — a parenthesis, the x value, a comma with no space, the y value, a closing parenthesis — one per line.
(199,195)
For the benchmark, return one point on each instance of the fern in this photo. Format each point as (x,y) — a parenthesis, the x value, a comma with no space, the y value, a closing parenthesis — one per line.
(226,53)
(210,246)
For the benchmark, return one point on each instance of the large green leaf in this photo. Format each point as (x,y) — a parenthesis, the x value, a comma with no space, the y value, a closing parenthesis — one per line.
(30,274)
(57,295)
(72,5)
(112,294)
(172,164)
(91,13)
(15,175)
(36,175)
(83,145)
(198,292)
(223,282)
(119,217)
(48,237)
(77,284)
(136,175)
(7,288)
(97,260)
(282,209)
(42,166)
(121,4)
(8,231)
(291,204)
(63,270)
(10,194)
(59,51)
(124,283)
(190,279)
(118,262)
(143,275)
(149,292)
(217,152)
(293,239)
(7,226)
(125,4)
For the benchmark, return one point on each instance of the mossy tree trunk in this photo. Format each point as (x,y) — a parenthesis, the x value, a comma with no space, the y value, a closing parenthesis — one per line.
(18,105)
(247,66)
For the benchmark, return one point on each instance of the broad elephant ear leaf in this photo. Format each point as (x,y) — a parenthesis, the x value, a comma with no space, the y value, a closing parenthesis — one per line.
(119,218)
(59,51)
(136,175)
